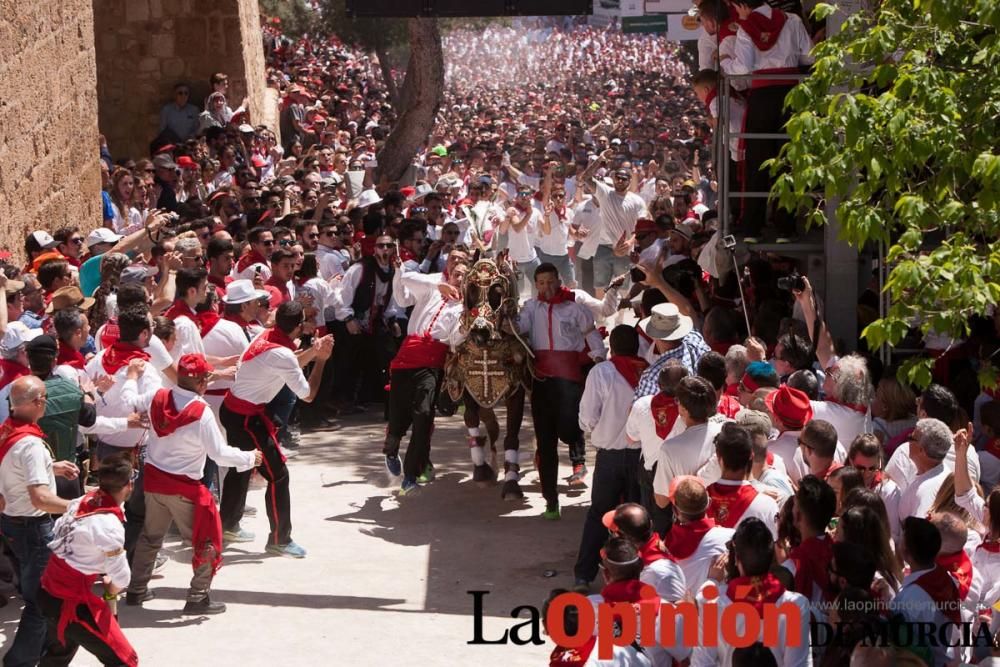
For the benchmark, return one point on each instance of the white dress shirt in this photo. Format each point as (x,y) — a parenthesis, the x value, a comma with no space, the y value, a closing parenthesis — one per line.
(848,423)
(571,325)
(188,338)
(260,379)
(790,50)
(685,454)
(94,544)
(641,428)
(784,655)
(605,406)
(349,285)
(28,463)
(918,498)
(696,566)
(917,606)
(183,452)
(112,404)
(432,314)
(226,339)
(599,308)
(902,470)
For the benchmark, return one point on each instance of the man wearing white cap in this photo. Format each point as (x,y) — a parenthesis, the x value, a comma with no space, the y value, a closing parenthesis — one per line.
(675,337)
(13,359)
(231,335)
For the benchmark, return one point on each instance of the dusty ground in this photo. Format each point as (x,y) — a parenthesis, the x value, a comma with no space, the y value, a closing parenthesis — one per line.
(385,580)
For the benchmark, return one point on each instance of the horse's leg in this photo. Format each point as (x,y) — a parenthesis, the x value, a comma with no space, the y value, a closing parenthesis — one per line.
(493,431)
(511,446)
(481,472)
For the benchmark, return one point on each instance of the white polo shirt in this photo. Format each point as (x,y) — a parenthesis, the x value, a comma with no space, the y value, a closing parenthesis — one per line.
(28,463)
(685,454)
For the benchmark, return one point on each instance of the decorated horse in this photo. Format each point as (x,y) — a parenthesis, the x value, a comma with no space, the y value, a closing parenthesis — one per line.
(493,364)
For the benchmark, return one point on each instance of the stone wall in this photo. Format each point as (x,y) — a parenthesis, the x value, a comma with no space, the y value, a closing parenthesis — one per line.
(144,47)
(49,166)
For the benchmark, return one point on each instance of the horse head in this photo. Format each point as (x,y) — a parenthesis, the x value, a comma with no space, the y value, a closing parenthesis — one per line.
(488,289)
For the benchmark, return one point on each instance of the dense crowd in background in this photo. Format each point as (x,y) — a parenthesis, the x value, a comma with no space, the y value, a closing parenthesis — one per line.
(751,452)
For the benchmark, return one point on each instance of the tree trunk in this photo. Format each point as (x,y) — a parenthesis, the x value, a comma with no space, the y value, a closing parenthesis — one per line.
(420,98)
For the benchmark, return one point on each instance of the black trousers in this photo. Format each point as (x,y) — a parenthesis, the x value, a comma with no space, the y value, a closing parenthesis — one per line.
(616,481)
(248,434)
(361,363)
(555,409)
(60,655)
(662,517)
(764,114)
(412,395)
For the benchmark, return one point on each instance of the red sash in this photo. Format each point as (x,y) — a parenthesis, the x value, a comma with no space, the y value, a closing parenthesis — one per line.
(728,406)
(811,559)
(944,591)
(248,409)
(630,368)
(756,591)
(993,546)
(653,550)
(164,416)
(68,584)
(179,308)
(119,354)
(564,364)
(270,340)
(960,566)
(665,412)
(12,430)
(420,352)
(733,390)
(206,321)
(206,530)
(10,371)
(249,260)
(561,296)
(764,31)
(67,356)
(406,255)
(684,538)
(729,502)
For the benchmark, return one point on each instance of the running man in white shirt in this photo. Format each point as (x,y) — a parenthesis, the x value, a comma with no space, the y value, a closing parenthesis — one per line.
(183,433)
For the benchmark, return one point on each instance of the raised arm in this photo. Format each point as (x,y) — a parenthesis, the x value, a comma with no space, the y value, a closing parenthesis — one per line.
(825,351)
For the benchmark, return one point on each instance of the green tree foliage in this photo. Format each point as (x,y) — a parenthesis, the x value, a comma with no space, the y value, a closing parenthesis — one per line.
(898,124)
(295,16)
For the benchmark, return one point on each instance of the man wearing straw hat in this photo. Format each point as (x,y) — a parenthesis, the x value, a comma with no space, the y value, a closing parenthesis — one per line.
(675,337)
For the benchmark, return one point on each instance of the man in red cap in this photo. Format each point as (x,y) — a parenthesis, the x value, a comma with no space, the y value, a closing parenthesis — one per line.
(790,412)
(183,432)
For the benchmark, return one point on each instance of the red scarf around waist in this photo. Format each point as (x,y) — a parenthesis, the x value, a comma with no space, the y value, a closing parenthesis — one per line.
(179,308)
(630,367)
(12,430)
(63,581)
(420,352)
(68,356)
(755,591)
(206,532)
(762,30)
(940,586)
(811,559)
(729,502)
(684,538)
(119,354)
(164,416)
(960,566)
(565,364)
(665,412)
(10,371)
